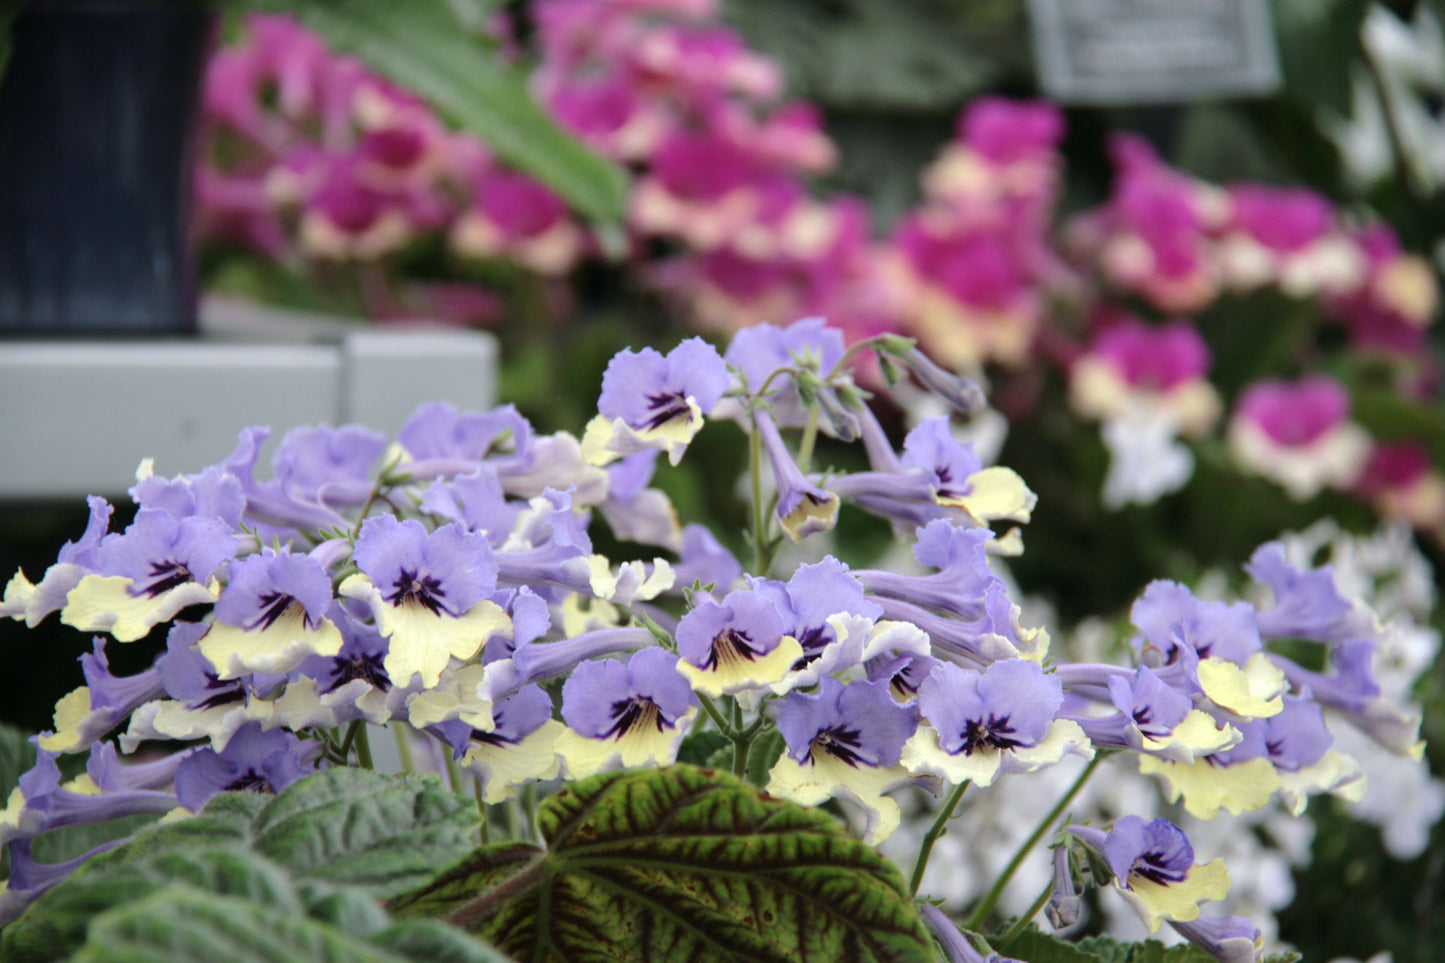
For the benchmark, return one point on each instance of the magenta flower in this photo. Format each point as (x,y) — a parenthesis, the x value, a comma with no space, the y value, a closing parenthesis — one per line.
(1299,435)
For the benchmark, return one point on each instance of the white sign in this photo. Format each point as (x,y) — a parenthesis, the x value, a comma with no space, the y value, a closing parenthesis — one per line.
(1153,51)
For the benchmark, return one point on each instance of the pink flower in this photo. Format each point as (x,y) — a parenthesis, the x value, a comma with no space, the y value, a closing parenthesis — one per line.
(1007,131)
(1396,302)
(1400,481)
(1299,435)
(1133,364)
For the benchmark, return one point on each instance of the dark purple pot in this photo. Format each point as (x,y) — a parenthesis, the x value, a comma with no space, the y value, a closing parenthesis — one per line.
(98,108)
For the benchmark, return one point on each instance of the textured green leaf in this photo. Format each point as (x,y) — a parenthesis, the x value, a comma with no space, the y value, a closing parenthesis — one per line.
(421,45)
(1035,946)
(680,864)
(433,942)
(56,925)
(699,748)
(181,925)
(377,834)
(385,834)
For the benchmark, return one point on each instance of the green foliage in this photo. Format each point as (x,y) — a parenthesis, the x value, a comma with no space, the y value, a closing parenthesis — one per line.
(1035,946)
(272,869)
(887,55)
(423,46)
(680,864)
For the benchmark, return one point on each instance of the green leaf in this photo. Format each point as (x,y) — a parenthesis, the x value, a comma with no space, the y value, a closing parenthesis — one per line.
(434,942)
(1387,415)
(182,925)
(698,748)
(57,923)
(378,834)
(421,45)
(1289,956)
(767,748)
(1035,946)
(680,864)
(385,834)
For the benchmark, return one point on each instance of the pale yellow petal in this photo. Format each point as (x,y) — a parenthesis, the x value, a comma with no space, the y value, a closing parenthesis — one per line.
(1178,901)
(1253,692)
(275,648)
(825,776)
(923,755)
(502,768)
(70,712)
(1208,788)
(1199,734)
(996,493)
(103,603)
(735,673)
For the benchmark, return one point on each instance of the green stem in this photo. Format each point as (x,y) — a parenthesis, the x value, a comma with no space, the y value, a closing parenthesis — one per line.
(718,720)
(755,467)
(939,827)
(742,743)
(363,746)
(810,438)
(990,899)
(1022,923)
(403,748)
(454,772)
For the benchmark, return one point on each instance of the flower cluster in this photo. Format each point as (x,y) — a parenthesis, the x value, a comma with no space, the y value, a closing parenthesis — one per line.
(444,584)
(316,162)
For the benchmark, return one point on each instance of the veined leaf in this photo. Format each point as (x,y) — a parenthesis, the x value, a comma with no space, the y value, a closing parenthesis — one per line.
(384,834)
(680,864)
(180,925)
(376,834)
(421,45)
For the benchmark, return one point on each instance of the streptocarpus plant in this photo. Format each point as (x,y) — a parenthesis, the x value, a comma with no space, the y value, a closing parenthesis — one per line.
(444,585)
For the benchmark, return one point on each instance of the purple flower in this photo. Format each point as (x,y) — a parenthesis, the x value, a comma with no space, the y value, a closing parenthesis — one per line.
(475,501)
(444,441)
(858,724)
(803,508)
(271,615)
(147,574)
(624,714)
(268,502)
(735,645)
(981,724)
(762,349)
(652,401)
(429,593)
(959,478)
(255,760)
(31,602)
(1170,615)
(963,577)
(328,466)
(520,747)
(105,700)
(1229,939)
(1153,867)
(213,493)
(1306,603)
(846,742)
